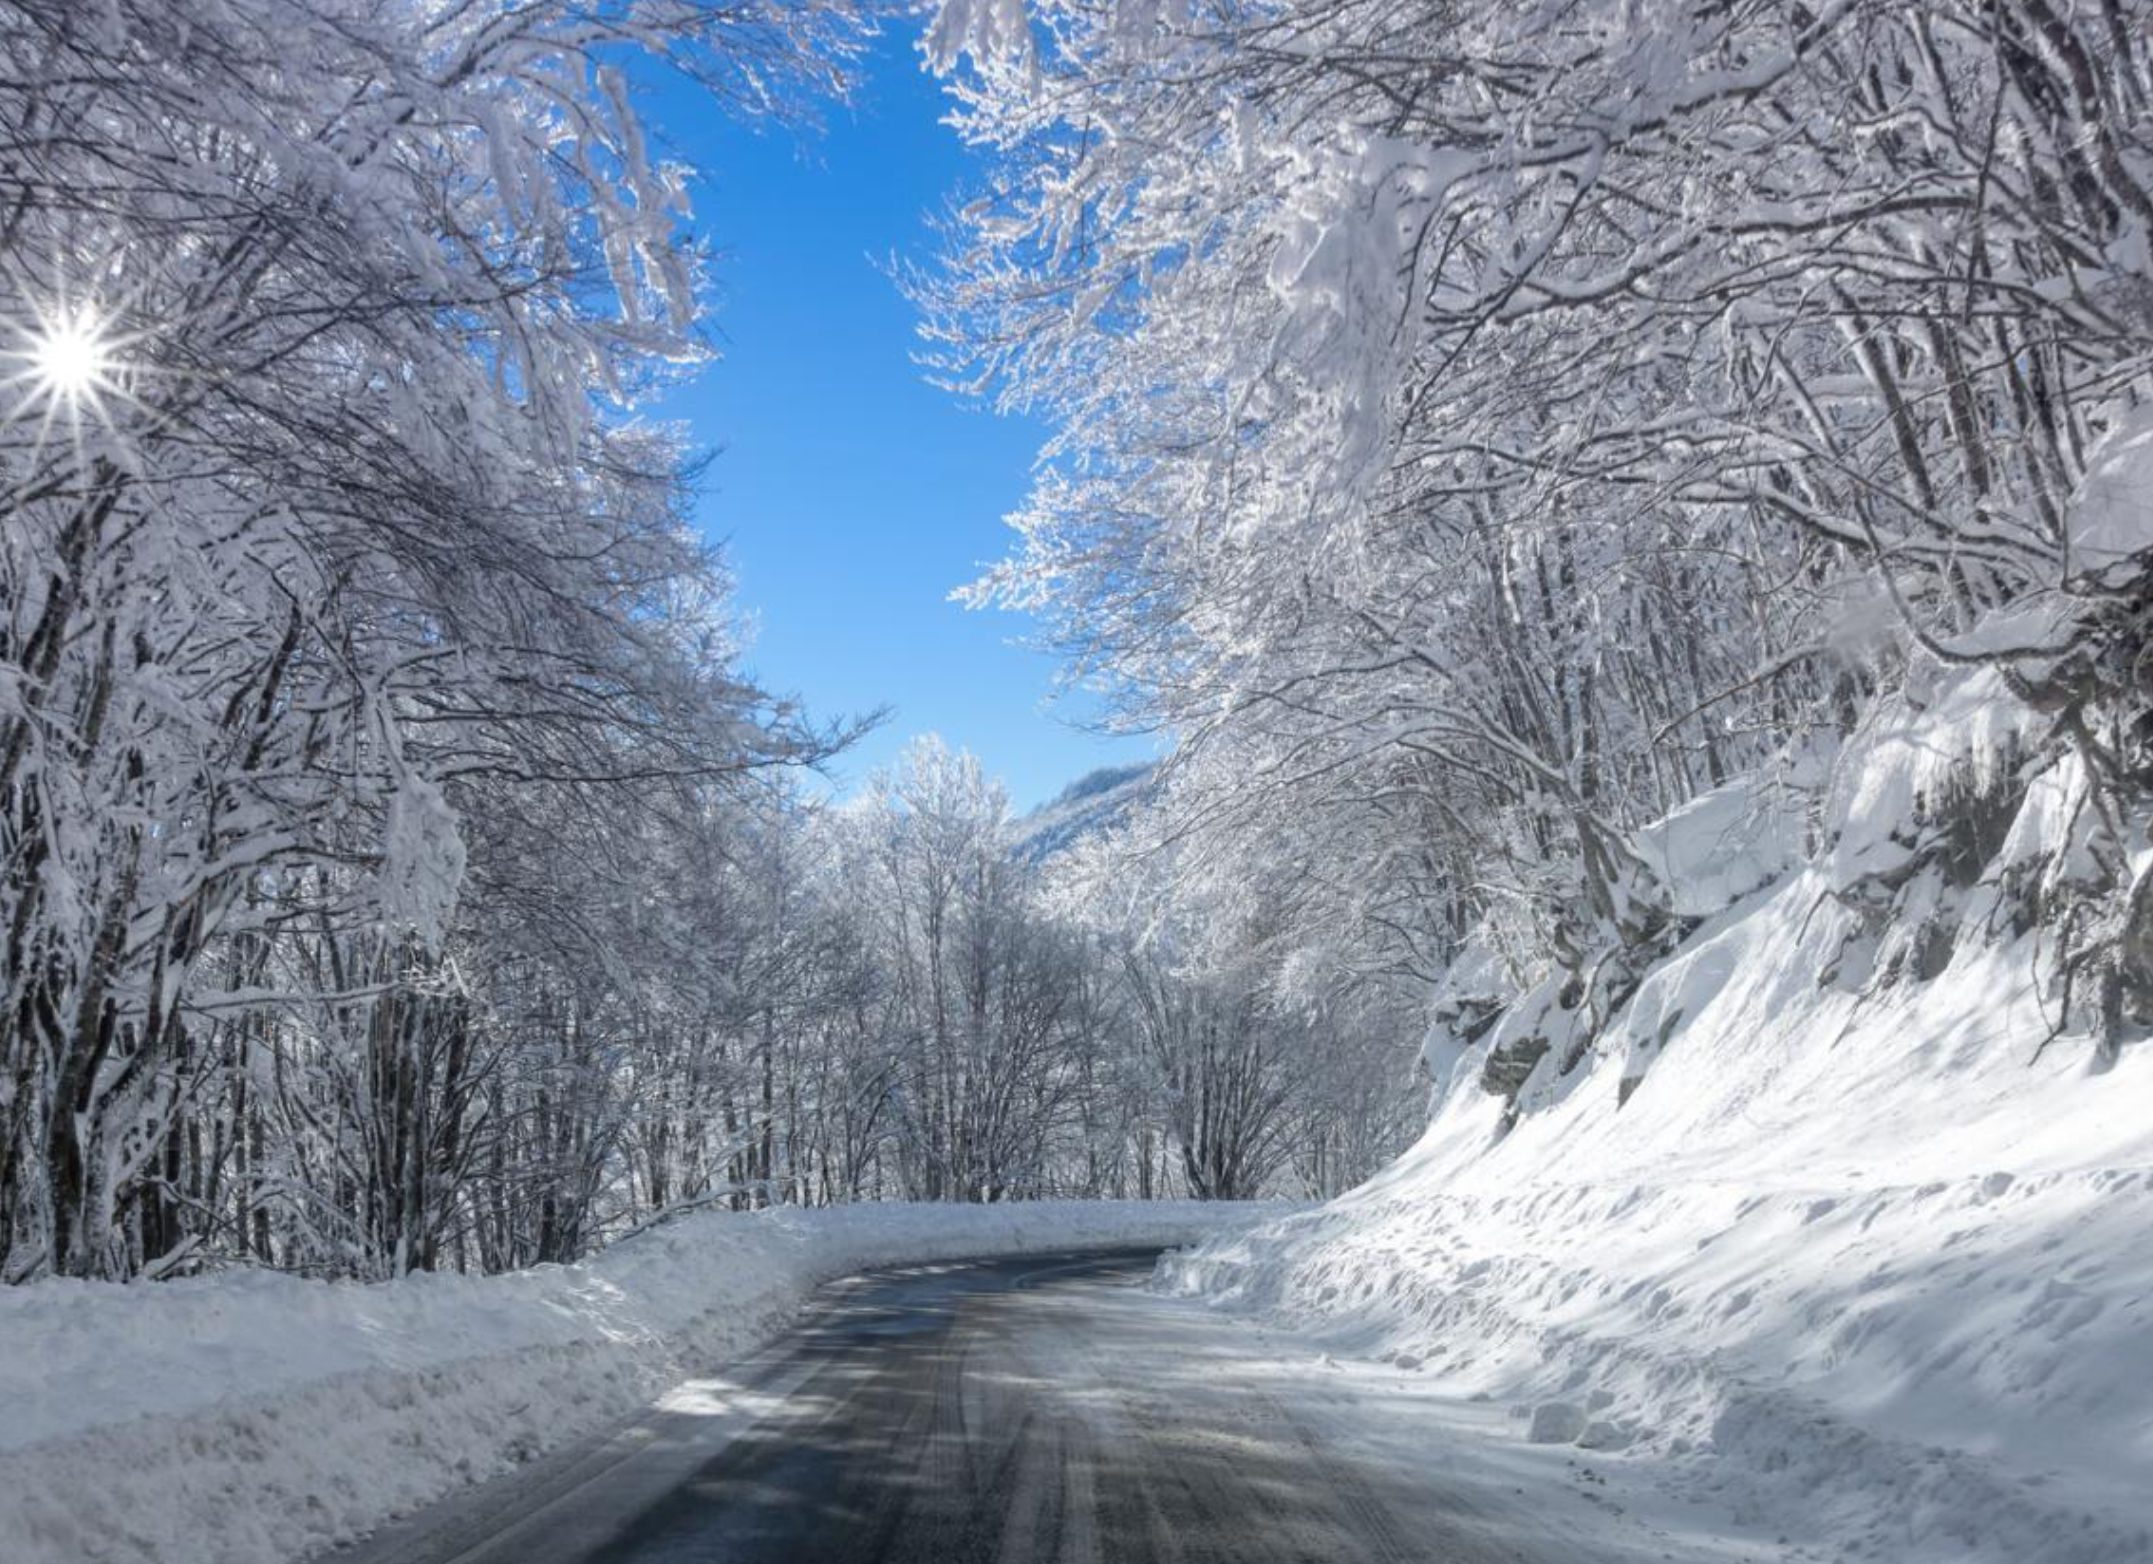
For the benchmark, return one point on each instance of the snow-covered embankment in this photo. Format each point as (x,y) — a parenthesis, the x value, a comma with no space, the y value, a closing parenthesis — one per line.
(257,1417)
(1822,1228)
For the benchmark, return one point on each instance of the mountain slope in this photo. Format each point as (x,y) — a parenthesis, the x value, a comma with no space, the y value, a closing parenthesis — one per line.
(1097,801)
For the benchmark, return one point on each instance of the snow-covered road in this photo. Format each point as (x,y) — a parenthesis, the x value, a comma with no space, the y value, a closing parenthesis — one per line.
(1033,1409)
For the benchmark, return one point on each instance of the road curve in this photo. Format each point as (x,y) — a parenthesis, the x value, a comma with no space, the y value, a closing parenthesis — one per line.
(1000,1412)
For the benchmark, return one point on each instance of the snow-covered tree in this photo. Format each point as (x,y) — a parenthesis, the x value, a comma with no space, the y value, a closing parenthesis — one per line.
(323,523)
(1482,429)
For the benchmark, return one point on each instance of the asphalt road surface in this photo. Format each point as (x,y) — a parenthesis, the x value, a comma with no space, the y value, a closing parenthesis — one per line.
(1005,1411)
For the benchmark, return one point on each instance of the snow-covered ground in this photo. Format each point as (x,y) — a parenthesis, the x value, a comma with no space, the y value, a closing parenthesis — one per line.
(256,1417)
(1856,1271)
(1822,1247)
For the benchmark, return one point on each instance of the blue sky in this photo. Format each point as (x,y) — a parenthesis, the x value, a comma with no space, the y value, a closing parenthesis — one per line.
(851,495)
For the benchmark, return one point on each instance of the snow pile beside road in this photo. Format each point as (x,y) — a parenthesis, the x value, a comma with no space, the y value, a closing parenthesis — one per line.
(1815,1230)
(258,1417)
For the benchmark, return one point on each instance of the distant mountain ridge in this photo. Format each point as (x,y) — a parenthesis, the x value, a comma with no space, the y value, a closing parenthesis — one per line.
(1096,801)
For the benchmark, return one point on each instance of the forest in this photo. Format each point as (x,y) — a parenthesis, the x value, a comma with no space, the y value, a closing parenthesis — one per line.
(1481,433)
(1558,468)
(398,871)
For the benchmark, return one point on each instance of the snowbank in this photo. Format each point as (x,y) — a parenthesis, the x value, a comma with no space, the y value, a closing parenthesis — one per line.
(1830,1242)
(259,1417)
(1872,1270)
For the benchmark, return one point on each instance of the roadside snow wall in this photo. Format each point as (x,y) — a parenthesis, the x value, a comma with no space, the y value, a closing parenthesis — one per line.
(1824,1226)
(254,1418)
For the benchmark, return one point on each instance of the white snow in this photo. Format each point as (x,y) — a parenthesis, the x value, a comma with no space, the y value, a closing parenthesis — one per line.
(1857,1271)
(2112,514)
(259,1417)
(1726,843)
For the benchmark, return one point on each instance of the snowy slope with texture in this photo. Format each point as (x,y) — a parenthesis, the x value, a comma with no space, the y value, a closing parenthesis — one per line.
(259,1417)
(1823,1229)
(1096,801)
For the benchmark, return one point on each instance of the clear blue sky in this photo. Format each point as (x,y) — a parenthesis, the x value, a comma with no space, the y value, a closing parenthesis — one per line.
(851,495)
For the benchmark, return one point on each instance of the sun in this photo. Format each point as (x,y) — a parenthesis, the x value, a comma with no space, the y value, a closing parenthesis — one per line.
(70,357)
(68,368)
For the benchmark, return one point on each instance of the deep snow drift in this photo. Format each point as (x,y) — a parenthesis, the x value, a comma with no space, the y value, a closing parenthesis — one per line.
(1821,1228)
(258,1417)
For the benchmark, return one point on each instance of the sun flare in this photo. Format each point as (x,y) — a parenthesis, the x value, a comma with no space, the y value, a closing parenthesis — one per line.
(71,357)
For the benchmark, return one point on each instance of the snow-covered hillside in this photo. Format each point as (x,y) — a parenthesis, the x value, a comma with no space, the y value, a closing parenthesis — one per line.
(1821,1227)
(259,1417)
(1096,801)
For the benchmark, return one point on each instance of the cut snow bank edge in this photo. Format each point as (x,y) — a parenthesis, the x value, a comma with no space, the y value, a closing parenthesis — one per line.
(1866,1272)
(254,1418)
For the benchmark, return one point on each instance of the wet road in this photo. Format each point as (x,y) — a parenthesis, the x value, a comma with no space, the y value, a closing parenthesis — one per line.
(1007,1411)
